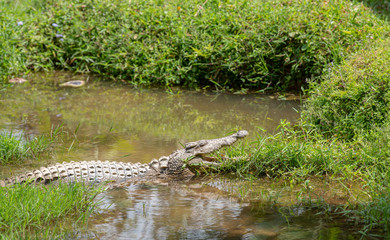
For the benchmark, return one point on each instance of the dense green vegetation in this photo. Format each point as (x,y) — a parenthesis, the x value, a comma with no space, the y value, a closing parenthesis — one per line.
(241,44)
(44,212)
(353,98)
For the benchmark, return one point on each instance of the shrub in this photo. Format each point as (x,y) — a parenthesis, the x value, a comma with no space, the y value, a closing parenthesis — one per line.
(354,96)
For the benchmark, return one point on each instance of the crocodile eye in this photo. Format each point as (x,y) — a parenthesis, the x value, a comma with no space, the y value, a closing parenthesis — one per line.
(202,143)
(190,145)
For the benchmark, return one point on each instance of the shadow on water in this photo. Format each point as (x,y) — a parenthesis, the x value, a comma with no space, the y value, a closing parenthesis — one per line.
(116,123)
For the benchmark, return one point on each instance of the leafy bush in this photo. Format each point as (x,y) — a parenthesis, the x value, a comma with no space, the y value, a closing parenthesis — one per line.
(240,44)
(354,97)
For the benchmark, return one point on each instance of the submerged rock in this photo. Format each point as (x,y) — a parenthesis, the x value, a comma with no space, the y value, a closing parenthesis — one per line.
(76,83)
(17,80)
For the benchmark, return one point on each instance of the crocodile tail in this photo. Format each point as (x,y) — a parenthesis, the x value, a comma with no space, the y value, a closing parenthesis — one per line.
(88,171)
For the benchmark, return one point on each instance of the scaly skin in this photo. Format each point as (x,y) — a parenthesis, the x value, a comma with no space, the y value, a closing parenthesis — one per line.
(175,165)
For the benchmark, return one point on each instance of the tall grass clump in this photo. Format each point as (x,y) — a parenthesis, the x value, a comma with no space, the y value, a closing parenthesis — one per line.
(354,98)
(226,44)
(297,154)
(44,212)
(15,149)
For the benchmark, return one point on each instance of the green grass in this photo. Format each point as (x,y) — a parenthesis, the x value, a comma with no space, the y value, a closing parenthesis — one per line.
(227,44)
(15,149)
(381,8)
(354,98)
(44,212)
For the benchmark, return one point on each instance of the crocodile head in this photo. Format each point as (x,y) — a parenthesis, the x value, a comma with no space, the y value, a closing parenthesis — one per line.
(193,155)
(203,147)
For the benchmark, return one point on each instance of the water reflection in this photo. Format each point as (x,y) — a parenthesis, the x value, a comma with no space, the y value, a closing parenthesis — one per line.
(164,212)
(196,210)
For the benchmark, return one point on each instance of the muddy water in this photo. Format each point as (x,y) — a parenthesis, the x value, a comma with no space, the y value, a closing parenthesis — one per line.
(108,122)
(202,209)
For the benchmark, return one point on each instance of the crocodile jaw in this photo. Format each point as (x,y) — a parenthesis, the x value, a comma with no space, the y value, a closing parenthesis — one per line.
(203,147)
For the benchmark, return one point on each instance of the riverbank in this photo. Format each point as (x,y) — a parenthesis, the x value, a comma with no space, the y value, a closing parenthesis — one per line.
(343,133)
(258,45)
(30,211)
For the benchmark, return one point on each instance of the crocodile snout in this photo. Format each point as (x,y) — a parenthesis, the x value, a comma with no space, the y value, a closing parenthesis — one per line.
(242,134)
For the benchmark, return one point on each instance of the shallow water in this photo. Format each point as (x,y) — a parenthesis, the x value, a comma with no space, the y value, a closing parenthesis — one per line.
(200,210)
(117,123)
(107,122)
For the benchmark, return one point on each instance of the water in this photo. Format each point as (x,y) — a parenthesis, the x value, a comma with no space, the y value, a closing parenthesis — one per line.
(197,210)
(117,123)
(122,124)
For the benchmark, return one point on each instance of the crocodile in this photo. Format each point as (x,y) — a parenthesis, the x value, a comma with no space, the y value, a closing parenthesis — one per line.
(180,164)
